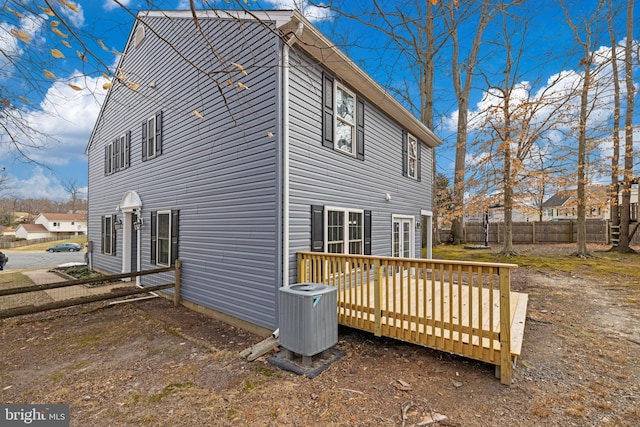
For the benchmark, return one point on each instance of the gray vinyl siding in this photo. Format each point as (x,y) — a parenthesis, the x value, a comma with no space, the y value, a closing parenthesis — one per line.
(320,176)
(220,172)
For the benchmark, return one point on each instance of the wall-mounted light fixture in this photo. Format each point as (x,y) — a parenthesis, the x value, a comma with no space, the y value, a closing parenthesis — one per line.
(387,197)
(118,224)
(137,224)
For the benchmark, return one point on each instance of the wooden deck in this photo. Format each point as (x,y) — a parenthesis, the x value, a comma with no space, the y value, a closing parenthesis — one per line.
(462,308)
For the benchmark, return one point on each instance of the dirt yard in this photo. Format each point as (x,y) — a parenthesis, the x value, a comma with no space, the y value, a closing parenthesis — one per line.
(148,363)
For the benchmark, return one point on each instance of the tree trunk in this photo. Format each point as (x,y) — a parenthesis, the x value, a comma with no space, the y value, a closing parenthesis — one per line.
(615,157)
(625,209)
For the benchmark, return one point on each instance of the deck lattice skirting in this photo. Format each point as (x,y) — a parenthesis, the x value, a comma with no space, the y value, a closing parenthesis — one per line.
(465,308)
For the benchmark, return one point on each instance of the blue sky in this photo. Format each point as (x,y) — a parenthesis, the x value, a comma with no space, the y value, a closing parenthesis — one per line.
(68,115)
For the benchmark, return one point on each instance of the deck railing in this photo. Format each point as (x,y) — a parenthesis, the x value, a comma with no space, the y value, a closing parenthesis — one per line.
(455,306)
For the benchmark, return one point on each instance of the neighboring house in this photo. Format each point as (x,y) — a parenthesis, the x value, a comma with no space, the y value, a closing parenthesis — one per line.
(496,214)
(53,224)
(304,152)
(32,231)
(563,204)
(63,224)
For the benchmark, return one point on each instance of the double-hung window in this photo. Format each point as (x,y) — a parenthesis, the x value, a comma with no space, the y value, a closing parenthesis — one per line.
(152,136)
(342,118)
(116,154)
(345,120)
(411,161)
(108,235)
(340,230)
(164,237)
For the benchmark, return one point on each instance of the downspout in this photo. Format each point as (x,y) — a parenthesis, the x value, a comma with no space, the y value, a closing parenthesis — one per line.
(285,151)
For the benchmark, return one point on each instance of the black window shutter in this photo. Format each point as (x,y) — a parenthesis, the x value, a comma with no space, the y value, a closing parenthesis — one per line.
(114,234)
(144,140)
(116,155)
(327,111)
(106,159)
(367,232)
(127,149)
(154,237)
(360,129)
(102,236)
(419,160)
(158,133)
(175,215)
(405,150)
(317,228)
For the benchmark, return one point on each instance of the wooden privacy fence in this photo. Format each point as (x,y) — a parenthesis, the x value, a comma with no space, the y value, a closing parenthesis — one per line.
(466,308)
(16,301)
(598,231)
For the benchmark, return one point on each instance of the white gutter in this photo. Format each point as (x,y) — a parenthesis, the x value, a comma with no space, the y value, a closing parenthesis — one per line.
(285,152)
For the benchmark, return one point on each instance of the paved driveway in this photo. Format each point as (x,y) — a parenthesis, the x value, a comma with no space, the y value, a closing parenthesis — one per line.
(40,259)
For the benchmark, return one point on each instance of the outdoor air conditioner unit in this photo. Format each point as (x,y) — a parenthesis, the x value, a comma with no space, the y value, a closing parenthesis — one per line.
(308,318)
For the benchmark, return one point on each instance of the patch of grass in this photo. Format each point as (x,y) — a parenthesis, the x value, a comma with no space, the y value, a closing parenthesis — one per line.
(265,371)
(56,376)
(90,341)
(232,414)
(603,264)
(14,280)
(249,385)
(169,390)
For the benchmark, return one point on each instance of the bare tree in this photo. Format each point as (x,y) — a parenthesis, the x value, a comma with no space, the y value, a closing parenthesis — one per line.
(625,208)
(586,43)
(515,123)
(462,72)
(71,186)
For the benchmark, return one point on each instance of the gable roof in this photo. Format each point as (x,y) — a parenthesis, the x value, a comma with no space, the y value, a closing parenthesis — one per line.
(76,217)
(295,28)
(33,228)
(558,199)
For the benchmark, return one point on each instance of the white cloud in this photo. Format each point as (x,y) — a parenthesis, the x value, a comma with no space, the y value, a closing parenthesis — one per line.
(64,121)
(76,19)
(111,5)
(311,12)
(37,186)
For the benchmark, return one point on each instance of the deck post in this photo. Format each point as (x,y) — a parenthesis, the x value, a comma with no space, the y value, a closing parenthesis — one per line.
(176,290)
(377,297)
(505,325)
(301,270)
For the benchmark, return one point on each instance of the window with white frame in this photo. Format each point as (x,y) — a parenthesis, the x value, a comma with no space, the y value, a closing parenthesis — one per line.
(151,137)
(108,235)
(345,231)
(116,154)
(164,237)
(345,120)
(412,157)
(342,119)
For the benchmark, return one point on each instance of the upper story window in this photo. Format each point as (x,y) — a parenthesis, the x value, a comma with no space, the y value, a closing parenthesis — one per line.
(342,118)
(411,156)
(116,154)
(345,120)
(152,136)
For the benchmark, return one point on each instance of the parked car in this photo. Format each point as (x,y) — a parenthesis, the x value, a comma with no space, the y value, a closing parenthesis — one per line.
(65,247)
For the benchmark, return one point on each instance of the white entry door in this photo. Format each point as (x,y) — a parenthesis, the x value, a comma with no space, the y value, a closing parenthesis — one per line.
(403,237)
